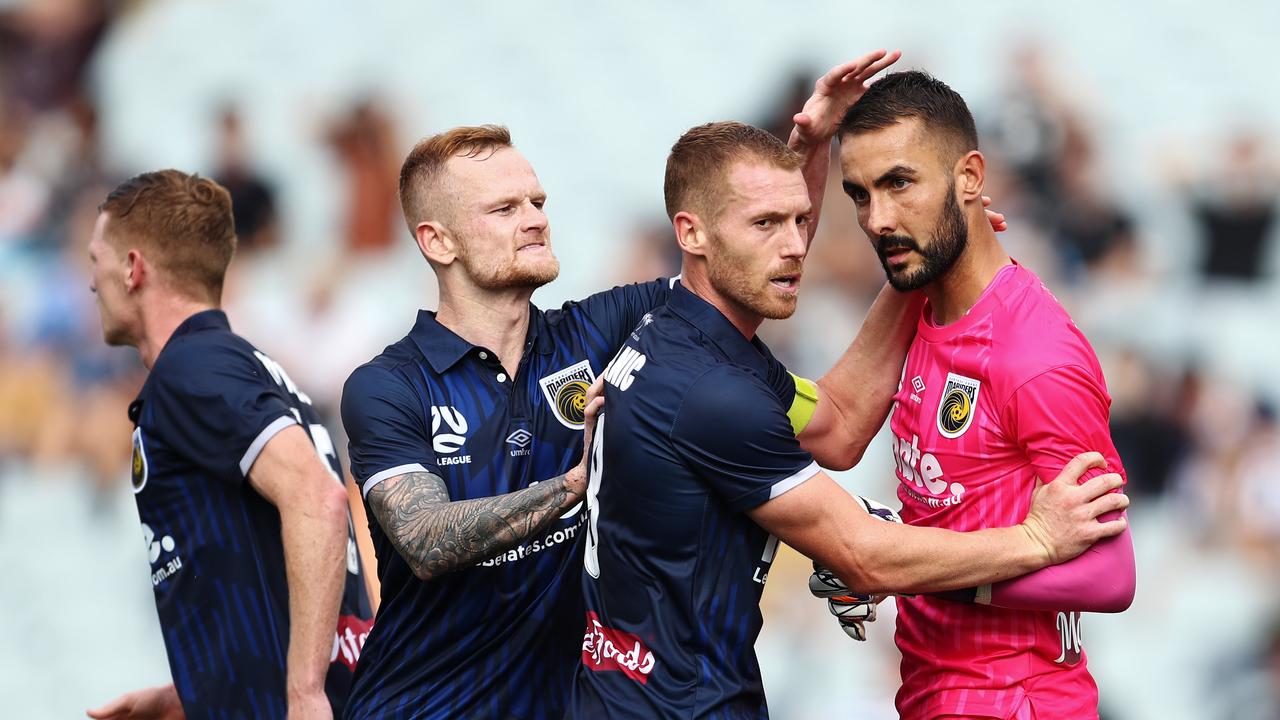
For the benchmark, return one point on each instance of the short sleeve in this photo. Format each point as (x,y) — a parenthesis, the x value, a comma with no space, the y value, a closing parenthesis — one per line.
(733,432)
(616,312)
(1059,414)
(386,429)
(218,407)
(798,395)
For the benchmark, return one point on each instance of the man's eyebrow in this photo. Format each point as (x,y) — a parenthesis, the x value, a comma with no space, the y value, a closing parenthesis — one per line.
(850,187)
(894,173)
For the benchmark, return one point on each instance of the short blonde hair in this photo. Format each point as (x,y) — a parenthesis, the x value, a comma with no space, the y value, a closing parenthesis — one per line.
(422,169)
(700,159)
(182,222)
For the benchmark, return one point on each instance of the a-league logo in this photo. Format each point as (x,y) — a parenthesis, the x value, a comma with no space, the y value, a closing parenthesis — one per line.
(959,402)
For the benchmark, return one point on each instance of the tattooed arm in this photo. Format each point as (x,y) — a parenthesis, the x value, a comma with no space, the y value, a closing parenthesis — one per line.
(437,536)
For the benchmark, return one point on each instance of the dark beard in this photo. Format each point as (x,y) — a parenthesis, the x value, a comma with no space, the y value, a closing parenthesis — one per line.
(950,238)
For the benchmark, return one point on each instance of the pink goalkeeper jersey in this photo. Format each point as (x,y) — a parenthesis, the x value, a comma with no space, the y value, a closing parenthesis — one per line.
(1009,392)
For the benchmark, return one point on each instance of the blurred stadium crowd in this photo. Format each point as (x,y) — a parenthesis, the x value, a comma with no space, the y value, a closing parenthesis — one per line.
(1175,282)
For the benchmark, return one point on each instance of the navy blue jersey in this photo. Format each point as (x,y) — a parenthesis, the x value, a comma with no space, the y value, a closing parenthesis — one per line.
(208,408)
(695,432)
(498,640)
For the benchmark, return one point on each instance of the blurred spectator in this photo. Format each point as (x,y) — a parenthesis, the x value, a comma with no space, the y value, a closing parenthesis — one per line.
(651,252)
(364,141)
(1235,211)
(1148,420)
(44,48)
(1091,230)
(1031,127)
(253,198)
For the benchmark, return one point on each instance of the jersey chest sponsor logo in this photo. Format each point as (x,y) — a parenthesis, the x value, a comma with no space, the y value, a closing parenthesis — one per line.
(448,433)
(169,564)
(566,393)
(138,467)
(919,471)
(605,649)
(958,405)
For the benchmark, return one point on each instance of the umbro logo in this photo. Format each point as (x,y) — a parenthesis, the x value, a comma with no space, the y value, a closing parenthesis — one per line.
(521,439)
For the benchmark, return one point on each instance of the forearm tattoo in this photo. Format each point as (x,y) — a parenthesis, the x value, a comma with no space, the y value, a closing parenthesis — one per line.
(436,536)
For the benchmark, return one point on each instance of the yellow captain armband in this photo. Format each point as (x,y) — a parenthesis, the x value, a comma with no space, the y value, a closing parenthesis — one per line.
(804,403)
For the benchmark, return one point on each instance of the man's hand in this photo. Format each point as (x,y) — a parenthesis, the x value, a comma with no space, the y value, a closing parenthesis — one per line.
(1063,519)
(833,95)
(995,218)
(576,478)
(309,705)
(157,703)
(851,609)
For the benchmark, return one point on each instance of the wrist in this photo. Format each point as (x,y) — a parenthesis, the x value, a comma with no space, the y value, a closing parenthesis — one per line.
(575,486)
(1037,550)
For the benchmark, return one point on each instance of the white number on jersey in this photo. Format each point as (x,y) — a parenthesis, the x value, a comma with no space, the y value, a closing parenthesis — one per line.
(595,468)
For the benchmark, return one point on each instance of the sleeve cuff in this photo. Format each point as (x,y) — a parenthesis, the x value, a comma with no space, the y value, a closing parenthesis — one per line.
(378,477)
(782,486)
(255,447)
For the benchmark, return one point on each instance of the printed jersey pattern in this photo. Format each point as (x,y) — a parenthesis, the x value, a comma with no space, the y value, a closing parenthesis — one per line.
(210,405)
(1009,393)
(499,639)
(695,434)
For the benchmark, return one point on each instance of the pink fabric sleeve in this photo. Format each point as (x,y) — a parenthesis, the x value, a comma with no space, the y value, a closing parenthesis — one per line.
(1056,416)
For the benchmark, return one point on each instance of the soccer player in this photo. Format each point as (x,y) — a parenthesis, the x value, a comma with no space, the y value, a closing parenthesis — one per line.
(244,515)
(696,472)
(466,435)
(1000,387)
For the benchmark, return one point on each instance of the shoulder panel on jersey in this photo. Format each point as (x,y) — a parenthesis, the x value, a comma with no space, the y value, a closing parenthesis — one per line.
(734,432)
(216,402)
(616,312)
(386,425)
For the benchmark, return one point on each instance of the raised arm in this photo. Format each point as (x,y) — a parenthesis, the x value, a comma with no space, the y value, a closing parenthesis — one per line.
(815,125)
(436,535)
(822,521)
(852,399)
(313,525)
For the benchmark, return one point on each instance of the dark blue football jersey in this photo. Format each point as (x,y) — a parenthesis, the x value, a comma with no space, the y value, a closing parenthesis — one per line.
(695,432)
(208,408)
(501,639)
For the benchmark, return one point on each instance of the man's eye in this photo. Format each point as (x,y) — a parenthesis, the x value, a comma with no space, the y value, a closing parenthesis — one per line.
(900,183)
(860,196)
(539,203)
(505,209)
(764,223)
(803,220)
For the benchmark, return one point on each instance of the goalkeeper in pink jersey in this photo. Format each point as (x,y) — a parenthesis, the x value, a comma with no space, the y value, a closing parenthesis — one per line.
(999,388)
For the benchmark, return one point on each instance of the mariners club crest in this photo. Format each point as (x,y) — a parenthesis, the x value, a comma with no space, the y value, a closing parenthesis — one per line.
(566,393)
(959,402)
(138,465)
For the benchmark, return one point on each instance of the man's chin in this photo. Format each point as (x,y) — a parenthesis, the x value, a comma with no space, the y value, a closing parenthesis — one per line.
(778,310)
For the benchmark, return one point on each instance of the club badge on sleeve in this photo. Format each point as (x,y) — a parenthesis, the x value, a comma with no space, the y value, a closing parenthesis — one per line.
(138,466)
(959,402)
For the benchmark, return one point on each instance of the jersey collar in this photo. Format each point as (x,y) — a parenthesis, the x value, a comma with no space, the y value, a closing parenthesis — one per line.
(443,348)
(203,320)
(714,325)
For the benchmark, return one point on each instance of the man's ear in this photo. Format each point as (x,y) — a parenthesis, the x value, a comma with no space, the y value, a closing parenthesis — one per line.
(137,270)
(691,236)
(971,177)
(435,242)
